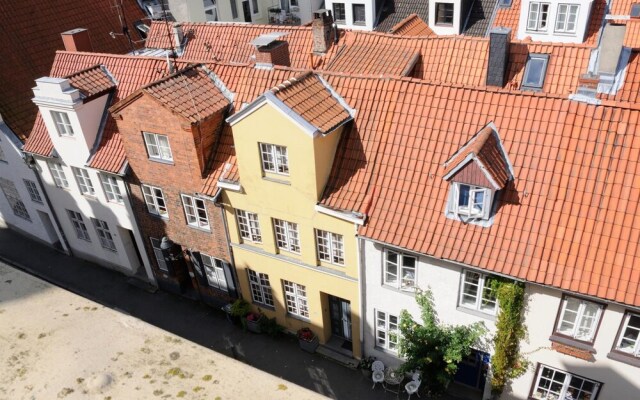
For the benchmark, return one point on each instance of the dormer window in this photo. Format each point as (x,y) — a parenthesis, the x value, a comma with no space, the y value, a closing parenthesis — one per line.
(538,16)
(444,14)
(567,18)
(470,200)
(274,159)
(63,125)
(158,147)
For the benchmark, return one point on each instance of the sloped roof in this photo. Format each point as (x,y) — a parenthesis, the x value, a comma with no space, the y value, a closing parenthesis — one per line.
(31,35)
(358,59)
(413,25)
(479,18)
(313,101)
(632,34)
(394,11)
(92,82)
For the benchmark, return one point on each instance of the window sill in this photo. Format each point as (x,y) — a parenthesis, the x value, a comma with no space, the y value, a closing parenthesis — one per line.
(328,264)
(360,23)
(161,161)
(445,25)
(477,313)
(387,351)
(198,228)
(341,21)
(624,358)
(265,306)
(531,88)
(411,292)
(573,343)
(299,318)
(276,180)
(158,216)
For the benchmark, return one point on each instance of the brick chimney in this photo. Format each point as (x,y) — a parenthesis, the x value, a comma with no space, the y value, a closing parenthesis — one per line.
(275,53)
(499,41)
(323,31)
(77,40)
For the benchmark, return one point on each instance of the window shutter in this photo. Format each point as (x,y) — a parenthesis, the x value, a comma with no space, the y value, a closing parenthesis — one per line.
(198,266)
(230,278)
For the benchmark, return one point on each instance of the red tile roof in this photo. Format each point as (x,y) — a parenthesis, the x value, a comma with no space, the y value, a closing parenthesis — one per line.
(31,35)
(413,25)
(632,34)
(92,82)
(308,97)
(359,59)
(621,7)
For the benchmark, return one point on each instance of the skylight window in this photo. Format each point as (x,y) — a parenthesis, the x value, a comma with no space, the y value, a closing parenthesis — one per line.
(535,71)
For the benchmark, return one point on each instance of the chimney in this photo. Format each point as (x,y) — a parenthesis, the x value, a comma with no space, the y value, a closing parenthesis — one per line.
(178,36)
(499,40)
(323,31)
(274,53)
(77,40)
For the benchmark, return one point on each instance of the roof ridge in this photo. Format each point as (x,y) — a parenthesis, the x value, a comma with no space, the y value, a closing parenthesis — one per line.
(109,55)
(98,65)
(290,82)
(166,78)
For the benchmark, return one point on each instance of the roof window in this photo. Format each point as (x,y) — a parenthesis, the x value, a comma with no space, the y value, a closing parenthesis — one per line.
(535,71)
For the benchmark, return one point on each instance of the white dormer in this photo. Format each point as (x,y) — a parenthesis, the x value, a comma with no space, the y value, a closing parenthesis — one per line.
(564,21)
(446,16)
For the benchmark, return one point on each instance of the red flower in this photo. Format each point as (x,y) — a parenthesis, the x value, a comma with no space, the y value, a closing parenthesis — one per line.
(306,334)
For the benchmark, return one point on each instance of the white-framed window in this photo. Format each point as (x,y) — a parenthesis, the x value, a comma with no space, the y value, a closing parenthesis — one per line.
(32,188)
(629,340)
(260,288)
(249,226)
(63,125)
(13,197)
(162,264)
(274,159)
(444,14)
(154,198)
(84,181)
(58,174)
(535,71)
(359,15)
(339,12)
(399,270)
(296,297)
(567,17)
(330,247)
(552,383)
(211,10)
(579,318)
(472,201)
(476,293)
(387,334)
(538,16)
(78,225)
(214,270)
(158,146)
(102,229)
(254,7)
(287,236)
(195,211)
(111,189)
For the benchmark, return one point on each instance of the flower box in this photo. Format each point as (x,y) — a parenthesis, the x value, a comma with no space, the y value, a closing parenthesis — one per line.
(254,320)
(307,340)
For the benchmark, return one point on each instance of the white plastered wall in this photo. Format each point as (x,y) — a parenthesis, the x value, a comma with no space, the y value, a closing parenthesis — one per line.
(549,35)
(369,7)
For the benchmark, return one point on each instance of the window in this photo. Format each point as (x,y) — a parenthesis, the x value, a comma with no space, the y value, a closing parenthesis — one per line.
(476,293)
(330,247)
(538,16)
(211,10)
(78,225)
(13,197)
(63,125)
(162,264)
(553,383)
(293,3)
(579,318)
(58,174)
(359,17)
(158,146)
(629,340)
(154,198)
(535,71)
(399,265)
(102,229)
(339,13)
(444,13)
(195,211)
(260,288)
(32,188)
(215,272)
(84,181)
(472,201)
(287,236)
(111,188)
(274,159)
(234,9)
(249,226)
(296,296)
(567,17)
(386,331)
(254,7)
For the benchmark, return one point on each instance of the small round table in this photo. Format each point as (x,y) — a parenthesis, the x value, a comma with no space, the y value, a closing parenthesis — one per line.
(393,378)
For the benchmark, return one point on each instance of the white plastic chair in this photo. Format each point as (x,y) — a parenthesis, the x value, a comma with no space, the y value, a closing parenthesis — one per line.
(378,373)
(377,366)
(413,386)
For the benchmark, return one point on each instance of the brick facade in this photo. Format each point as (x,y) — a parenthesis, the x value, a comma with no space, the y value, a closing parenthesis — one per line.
(183,176)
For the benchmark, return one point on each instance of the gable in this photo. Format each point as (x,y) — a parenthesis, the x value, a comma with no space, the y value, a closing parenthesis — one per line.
(471,174)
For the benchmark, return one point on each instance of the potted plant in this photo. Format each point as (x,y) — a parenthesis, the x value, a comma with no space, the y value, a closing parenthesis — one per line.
(254,322)
(238,310)
(365,365)
(308,340)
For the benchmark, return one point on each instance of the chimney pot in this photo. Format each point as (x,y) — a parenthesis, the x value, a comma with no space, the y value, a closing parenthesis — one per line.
(77,40)
(323,31)
(499,41)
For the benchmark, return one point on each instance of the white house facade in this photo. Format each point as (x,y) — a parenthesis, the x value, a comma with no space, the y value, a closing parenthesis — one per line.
(554,21)
(353,14)
(93,206)
(23,204)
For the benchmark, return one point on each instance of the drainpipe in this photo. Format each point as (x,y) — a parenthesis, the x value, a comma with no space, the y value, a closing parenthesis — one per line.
(32,165)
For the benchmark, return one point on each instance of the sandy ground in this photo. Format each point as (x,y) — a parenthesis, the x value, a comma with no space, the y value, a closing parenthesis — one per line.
(56,345)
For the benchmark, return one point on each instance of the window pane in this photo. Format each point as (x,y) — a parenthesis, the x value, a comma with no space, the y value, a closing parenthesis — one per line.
(463,199)
(535,70)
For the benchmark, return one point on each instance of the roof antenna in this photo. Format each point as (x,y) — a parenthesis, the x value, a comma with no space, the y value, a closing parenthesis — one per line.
(123,23)
(174,56)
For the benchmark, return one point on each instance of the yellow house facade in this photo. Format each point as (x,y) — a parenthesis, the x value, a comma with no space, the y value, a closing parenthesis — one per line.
(294,260)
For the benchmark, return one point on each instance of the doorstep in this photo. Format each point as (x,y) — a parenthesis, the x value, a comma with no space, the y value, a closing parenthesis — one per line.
(330,353)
